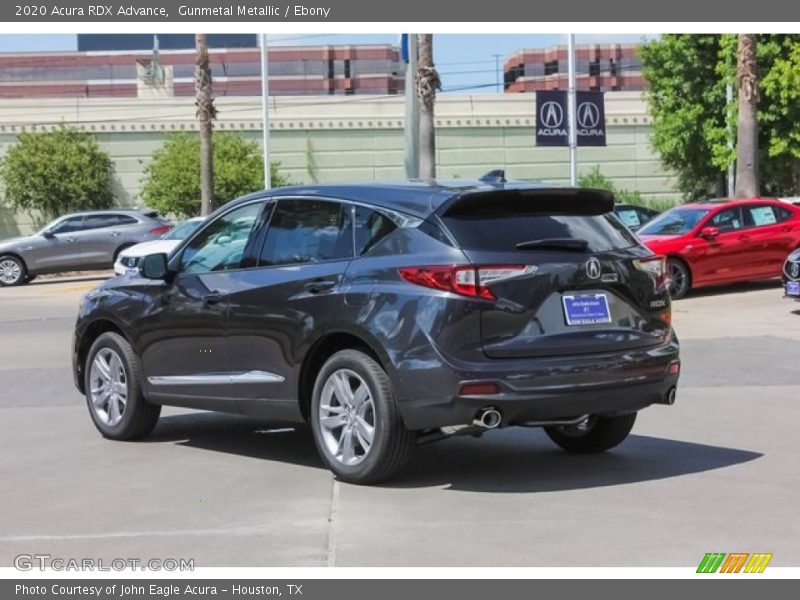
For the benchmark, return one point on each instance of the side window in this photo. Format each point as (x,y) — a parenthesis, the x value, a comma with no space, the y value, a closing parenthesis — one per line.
(303,231)
(68,225)
(371,228)
(629,216)
(759,215)
(784,214)
(99,221)
(728,220)
(221,244)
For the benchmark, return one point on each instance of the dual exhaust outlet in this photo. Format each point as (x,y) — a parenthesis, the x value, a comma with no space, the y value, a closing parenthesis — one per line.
(491,418)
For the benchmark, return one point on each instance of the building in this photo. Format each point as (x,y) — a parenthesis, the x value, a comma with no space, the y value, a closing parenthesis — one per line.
(144,72)
(335,139)
(103,42)
(598,67)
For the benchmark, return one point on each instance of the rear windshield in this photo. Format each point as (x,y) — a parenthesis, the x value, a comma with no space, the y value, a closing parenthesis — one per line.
(501,225)
(676,221)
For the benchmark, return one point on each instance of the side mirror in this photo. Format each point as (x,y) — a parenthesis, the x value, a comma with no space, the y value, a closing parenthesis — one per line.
(48,233)
(154,266)
(709,232)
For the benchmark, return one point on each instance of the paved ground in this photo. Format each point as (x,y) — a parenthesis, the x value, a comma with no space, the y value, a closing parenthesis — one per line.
(716,472)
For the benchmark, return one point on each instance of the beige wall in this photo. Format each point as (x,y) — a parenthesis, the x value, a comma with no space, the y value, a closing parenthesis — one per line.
(328,139)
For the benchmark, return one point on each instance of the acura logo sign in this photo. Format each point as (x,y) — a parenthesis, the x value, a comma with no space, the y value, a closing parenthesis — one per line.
(551,114)
(794,270)
(588,115)
(593,268)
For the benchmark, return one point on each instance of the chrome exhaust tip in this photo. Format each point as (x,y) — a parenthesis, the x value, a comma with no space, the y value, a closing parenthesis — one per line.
(488,418)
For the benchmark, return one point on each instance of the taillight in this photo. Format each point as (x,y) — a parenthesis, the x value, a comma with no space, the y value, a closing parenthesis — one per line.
(468,281)
(656,267)
(161,230)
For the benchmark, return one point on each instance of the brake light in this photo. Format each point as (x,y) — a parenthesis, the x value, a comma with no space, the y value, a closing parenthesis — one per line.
(656,267)
(161,230)
(464,280)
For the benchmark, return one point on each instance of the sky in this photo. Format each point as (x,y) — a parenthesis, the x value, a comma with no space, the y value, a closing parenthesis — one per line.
(466,62)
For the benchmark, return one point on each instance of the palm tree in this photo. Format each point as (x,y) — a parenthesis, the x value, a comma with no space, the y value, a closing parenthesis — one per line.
(747,122)
(206,113)
(427,84)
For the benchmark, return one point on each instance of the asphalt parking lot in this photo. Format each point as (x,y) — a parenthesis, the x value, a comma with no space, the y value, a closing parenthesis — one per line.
(715,472)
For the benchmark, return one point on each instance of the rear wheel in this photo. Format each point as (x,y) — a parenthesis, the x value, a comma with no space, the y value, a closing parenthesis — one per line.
(679,278)
(355,421)
(113,390)
(594,434)
(12,271)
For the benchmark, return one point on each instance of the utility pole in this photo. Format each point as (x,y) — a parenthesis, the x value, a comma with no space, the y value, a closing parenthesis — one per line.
(265,112)
(205,114)
(411,125)
(497,71)
(427,84)
(572,112)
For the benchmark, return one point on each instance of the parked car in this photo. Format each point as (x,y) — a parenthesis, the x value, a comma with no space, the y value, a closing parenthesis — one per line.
(387,315)
(633,216)
(791,275)
(723,241)
(128,260)
(79,241)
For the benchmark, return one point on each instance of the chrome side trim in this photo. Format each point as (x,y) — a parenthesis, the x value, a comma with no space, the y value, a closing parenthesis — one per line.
(217,378)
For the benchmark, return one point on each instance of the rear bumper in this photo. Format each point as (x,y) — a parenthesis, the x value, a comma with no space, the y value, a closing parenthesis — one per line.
(553,389)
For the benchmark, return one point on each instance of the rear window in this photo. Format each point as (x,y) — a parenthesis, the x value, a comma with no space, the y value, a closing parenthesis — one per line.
(499,224)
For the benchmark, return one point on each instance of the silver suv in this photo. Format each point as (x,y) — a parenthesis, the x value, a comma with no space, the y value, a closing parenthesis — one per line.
(79,241)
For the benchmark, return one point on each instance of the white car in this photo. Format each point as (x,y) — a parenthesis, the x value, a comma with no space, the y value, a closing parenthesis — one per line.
(128,260)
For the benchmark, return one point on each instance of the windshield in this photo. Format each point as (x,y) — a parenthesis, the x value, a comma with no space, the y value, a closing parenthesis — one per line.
(182,231)
(675,222)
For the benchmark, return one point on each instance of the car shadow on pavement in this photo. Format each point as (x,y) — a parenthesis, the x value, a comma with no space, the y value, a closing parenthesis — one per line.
(512,460)
(80,279)
(253,438)
(524,460)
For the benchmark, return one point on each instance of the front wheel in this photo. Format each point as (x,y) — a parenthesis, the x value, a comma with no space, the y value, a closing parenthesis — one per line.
(355,421)
(12,271)
(113,390)
(679,278)
(593,434)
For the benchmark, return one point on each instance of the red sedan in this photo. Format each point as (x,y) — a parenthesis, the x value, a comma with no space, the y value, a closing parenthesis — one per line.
(723,241)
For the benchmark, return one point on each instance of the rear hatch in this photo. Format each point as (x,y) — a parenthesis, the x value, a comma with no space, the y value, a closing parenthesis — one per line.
(562,274)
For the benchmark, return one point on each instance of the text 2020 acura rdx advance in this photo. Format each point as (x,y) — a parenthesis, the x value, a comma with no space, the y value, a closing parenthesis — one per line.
(387,314)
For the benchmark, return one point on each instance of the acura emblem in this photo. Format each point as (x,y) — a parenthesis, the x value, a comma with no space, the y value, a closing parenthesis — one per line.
(593,268)
(794,270)
(588,115)
(551,114)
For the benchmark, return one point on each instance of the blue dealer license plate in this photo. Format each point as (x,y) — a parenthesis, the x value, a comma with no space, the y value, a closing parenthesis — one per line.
(586,309)
(793,288)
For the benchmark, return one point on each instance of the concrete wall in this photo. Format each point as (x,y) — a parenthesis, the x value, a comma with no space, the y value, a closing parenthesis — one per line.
(335,139)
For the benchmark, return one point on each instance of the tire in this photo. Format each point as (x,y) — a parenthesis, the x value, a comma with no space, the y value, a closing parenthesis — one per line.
(135,417)
(600,434)
(30,278)
(12,271)
(354,457)
(680,280)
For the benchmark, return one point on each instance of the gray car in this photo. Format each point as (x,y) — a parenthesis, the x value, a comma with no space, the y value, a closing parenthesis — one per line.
(85,240)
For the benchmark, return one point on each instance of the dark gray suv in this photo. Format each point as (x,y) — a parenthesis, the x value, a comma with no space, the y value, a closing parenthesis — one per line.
(79,241)
(386,315)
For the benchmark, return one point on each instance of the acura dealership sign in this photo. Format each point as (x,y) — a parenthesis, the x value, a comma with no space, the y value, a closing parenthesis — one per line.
(552,123)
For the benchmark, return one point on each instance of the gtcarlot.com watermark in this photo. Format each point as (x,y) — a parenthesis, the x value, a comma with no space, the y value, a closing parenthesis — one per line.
(44,562)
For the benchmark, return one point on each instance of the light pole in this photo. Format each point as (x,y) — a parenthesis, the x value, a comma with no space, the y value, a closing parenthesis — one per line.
(265,111)
(572,112)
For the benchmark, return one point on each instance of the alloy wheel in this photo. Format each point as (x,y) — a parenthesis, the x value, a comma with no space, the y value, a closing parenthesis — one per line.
(10,271)
(108,383)
(347,417)
(677,280)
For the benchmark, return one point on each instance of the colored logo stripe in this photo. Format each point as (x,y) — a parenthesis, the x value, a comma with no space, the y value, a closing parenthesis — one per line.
(758,562)
(711,562)
(734,563)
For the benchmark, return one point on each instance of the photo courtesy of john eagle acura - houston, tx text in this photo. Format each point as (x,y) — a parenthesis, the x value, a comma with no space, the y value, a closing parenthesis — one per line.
(388,315)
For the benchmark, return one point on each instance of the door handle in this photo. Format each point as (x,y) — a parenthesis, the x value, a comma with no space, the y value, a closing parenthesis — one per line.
(213,298)
(114,233)
(320,285)
(71,239)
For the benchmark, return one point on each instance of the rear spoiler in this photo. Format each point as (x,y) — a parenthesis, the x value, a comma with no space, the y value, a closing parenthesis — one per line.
(552,201)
